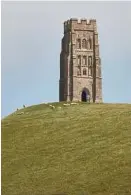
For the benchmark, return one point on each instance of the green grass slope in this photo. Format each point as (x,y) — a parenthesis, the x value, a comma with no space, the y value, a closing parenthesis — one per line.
(77,150)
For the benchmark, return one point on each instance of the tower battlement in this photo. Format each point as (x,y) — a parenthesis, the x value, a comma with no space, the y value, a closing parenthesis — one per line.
(77,24)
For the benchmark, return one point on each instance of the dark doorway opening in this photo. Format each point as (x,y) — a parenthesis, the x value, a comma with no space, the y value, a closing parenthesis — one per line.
(84,96)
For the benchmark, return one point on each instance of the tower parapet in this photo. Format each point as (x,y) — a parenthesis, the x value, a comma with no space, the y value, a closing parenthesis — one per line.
(80,24)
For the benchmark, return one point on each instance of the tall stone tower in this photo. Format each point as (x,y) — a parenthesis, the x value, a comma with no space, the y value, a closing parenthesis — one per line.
(80,63)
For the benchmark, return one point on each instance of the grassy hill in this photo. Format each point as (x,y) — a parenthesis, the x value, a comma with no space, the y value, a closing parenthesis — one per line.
(82,149)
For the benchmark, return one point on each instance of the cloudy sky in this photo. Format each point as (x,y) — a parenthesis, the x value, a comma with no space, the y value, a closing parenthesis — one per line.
(31,35)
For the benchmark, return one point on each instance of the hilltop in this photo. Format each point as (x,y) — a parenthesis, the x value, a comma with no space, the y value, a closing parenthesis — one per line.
(81,149)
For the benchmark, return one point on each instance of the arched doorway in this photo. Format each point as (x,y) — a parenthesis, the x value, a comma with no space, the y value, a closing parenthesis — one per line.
(85,95)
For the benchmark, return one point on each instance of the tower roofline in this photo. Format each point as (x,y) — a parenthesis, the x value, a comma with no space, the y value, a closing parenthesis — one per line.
(77,24)
(80,20)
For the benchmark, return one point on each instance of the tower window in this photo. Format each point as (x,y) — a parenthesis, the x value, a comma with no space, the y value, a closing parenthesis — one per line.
(84,44)
(90,60)
(79,60)
(84,71)
(78,43)
(90,44)
(84,60)
(90,71)
(78,72)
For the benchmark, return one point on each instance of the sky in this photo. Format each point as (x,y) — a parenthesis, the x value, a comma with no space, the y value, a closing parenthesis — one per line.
(31,45)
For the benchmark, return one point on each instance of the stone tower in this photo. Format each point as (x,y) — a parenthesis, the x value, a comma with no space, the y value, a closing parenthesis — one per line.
(80,63)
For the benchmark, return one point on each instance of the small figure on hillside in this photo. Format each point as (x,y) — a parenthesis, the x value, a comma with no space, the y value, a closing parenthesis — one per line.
(23,106)
(17,109)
